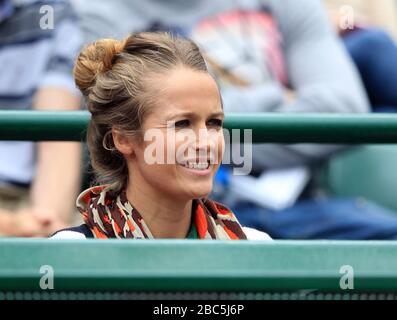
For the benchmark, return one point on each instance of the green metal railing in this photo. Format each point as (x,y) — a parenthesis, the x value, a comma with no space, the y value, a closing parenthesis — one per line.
(297,268)
(118,269)
(266,127)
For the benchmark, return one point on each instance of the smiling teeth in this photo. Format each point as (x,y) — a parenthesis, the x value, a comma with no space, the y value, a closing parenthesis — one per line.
(196,166)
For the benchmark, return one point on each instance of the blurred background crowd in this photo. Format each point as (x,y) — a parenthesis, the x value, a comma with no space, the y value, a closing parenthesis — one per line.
(285,56)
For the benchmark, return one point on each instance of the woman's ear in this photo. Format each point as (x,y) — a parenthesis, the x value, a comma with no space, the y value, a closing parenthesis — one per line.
(123,143)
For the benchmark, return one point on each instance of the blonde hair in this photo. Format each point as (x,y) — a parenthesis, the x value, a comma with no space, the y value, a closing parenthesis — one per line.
(114,79)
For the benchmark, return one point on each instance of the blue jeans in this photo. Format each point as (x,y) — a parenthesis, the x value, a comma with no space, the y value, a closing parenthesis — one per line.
(338,219)
(375,55)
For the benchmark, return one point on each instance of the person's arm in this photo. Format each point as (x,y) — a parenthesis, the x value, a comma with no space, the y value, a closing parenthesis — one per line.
(321,74)
(58,164)
(57,178)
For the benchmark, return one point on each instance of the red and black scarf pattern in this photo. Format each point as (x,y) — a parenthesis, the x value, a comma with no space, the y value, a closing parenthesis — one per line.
(110,215)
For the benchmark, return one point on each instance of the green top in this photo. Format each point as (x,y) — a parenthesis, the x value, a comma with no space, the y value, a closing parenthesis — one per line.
(192,232)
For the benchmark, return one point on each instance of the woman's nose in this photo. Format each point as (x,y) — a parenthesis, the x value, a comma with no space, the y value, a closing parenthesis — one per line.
(205,142)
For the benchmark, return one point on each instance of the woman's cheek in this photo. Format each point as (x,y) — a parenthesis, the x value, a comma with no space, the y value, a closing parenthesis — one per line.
(220,147)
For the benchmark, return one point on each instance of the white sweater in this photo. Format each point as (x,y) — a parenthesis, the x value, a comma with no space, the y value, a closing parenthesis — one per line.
(83,233)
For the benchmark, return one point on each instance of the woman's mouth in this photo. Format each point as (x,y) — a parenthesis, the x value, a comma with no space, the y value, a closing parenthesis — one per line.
(198,167)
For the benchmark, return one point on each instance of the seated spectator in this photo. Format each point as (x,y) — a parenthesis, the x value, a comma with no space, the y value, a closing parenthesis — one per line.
(375,54)
(39,41)
(152,82)
(373,51)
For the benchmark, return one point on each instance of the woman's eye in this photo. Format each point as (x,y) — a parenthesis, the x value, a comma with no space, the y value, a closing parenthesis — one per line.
(182,123)
(215,123)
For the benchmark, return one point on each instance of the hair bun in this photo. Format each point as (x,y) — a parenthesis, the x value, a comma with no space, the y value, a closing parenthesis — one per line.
(93,60)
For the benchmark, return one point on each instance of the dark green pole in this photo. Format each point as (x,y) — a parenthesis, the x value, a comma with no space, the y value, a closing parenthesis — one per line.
(265,127)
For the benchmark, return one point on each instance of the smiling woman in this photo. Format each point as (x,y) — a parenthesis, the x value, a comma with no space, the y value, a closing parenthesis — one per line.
(152,85)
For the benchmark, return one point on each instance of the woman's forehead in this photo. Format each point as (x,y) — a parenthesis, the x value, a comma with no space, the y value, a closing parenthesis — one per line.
(186,90)
(184,83)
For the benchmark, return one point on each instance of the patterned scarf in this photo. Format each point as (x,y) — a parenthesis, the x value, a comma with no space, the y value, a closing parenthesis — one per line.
(110,215)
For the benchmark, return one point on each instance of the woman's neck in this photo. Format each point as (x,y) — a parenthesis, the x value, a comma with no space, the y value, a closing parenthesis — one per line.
(165,217)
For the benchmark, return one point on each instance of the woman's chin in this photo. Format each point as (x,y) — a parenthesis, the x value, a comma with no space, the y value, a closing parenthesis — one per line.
(199,192)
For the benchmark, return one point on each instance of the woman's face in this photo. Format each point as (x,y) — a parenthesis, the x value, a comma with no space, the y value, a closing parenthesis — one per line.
(184,138)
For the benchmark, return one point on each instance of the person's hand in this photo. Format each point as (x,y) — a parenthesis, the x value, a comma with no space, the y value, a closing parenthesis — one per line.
(50,220)
(29,222)
(19,224)
(289,95)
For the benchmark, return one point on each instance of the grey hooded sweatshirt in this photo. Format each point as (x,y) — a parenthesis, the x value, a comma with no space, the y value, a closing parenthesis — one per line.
(267,56)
